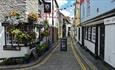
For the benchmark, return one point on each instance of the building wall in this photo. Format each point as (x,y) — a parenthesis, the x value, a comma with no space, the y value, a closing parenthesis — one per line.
(61,17)
(10,53)
(32,6)
(7,6)
(89,38)
(77,13)
(96,7)
(110,41)
(55,14)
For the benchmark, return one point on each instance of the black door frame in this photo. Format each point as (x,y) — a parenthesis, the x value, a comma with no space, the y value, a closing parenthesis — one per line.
(99,47)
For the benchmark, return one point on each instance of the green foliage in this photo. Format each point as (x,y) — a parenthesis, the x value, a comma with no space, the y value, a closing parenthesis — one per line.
(18,16)
(45,33)
(41,48)
(22,36)
(32,36)
(46,22)
(19,35)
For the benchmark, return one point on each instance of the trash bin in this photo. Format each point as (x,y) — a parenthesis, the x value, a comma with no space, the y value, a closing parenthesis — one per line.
(63,44)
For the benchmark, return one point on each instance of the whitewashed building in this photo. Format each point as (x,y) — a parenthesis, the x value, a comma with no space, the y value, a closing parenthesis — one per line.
(23,7)
(6,7)
(96,31)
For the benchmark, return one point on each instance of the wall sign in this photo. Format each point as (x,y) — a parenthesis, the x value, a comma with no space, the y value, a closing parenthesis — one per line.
(110,20)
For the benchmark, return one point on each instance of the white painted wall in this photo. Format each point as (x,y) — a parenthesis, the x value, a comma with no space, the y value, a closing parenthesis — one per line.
(90,46)
(32,6)
(110,41)
(10,53)
(110,44)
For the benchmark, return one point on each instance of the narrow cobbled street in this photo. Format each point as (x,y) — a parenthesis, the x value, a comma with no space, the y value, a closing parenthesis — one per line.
(61,60)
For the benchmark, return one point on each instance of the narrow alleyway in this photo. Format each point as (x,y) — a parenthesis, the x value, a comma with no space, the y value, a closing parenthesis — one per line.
(61,60)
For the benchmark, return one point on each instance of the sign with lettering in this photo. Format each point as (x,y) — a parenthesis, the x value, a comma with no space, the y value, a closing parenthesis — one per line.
(110,20)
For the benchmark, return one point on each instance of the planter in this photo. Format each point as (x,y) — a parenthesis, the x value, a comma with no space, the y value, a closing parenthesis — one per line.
(5,24)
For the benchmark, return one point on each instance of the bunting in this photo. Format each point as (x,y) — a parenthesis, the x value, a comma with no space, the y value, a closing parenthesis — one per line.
(81,1)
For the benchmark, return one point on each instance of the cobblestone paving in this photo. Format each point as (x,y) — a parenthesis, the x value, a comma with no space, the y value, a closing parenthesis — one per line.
(60,60)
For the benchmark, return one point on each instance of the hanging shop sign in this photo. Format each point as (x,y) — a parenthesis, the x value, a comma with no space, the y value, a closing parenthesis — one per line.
(47,7)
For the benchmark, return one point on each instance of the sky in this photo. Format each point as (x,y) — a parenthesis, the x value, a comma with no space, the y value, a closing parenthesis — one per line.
(69,11)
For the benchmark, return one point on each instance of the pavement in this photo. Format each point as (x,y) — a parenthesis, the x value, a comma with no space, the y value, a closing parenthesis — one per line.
(93,63)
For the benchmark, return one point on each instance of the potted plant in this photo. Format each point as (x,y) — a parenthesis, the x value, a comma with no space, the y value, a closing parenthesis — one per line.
(41,48)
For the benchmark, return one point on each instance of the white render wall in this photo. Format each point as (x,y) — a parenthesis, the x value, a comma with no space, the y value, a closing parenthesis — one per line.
(110,41)
(90,46)
(10,53)
(7,6)
(32,6)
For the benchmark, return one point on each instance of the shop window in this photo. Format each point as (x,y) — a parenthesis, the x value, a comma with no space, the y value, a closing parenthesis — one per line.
(89,33)
(79,35)
(93,34)
(86,32)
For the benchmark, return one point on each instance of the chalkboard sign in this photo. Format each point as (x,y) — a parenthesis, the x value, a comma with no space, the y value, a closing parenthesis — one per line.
(63,44)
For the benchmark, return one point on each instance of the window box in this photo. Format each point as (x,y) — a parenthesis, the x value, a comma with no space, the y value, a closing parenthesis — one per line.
(11,47)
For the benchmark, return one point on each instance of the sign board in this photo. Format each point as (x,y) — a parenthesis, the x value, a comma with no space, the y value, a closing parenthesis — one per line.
(63,44)
(110,20)
(47,7)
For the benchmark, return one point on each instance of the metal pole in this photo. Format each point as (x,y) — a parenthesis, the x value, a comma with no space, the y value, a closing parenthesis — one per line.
(52,22)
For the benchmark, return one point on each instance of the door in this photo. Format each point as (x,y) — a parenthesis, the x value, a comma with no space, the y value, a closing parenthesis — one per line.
(102,41)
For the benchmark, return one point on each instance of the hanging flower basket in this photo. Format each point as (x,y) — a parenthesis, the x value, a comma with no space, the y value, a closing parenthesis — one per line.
(32,17)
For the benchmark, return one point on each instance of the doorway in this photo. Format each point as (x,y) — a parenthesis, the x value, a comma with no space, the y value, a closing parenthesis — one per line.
(102,41)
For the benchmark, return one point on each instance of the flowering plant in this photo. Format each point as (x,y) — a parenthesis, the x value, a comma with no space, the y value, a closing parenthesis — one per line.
(32,17)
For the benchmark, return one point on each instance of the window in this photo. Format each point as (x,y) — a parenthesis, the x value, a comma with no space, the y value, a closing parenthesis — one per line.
(85,32)
(89,33)
(9,38)
(93,34)
(79,34)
